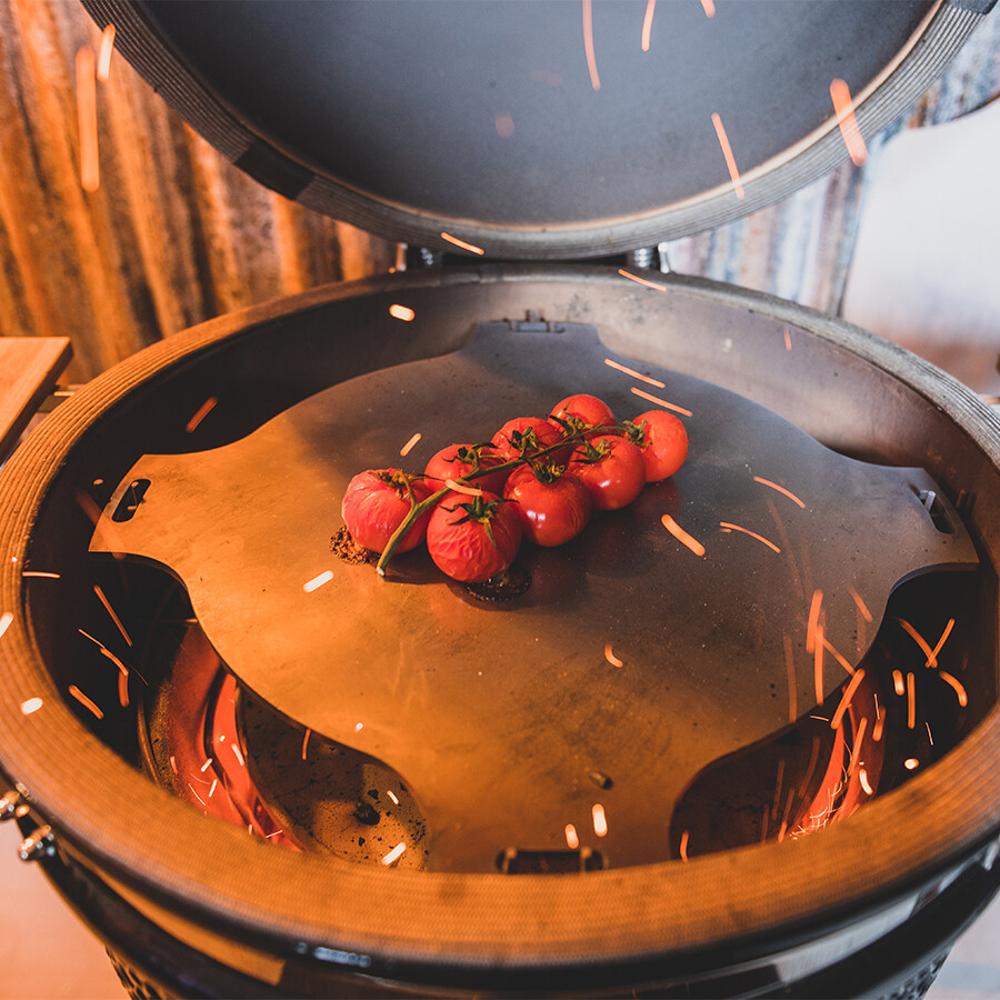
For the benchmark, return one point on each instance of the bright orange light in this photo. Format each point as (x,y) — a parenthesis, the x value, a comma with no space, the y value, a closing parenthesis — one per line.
(317,581)
(647,24)
(940,643)
(609,655)
(845,700)
(911,701)
(123,689)
(471,247)
(911,763)
(843,105)
(40,574)
(865,783)
(682,536)
(31,706)
(572,840)
(788,339)
(858,740)
(86,118)
(780,489)
(588,44)
(838,656)
(897,683)
(405,313)
(655,382)
(859,602)
(957,686)
(752,534)
(104,55)
(879,726)
(410,445)
(199,415)
(920,641)
(708,6)
(727,152)
(600,820)
(813,620)
(102,597)
(684,846)
(649,397)
(394,855)
(85,701)
(305,743)
(641,281)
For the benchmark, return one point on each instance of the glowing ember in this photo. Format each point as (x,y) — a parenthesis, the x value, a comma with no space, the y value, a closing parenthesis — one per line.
(793,710)
(860,604)
(504,126)
(305,743)
(788,339)
(215,784)
(358,726)
(957,686)
(123,689)
(455,241)
(930,735)
(173,763)
(661,402)
(940,643)
(911,763)
(405,313)
(631,371)
(609,655)
(41,575)
(708,6)
(682,536)
(818,664)
(588,44)
(856,751)
(462,488)
(843,105)
(85,701)
(572,840)
(728,525)
(5,619)
(238,754)
(410,445)
(196,795)
(897,683)
(392,796)
(781,489)
(641,281)
(911,701)
(104,55)
(317,581)
(600,820)
(394,855)
(647,24)
(206,765)
(813,620)
(203,411)
(102,597)
(727,152)
(31,706)
(86,115)
(684,846)
(878,727)
(865,783)
(845,700)
(920,641)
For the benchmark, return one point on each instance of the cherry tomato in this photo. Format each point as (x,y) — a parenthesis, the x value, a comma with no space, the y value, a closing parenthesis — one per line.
(525,436)
(580,412)
(612,470)
(663,441)
(473,538)
(375,503)
(459,460)
(553,507)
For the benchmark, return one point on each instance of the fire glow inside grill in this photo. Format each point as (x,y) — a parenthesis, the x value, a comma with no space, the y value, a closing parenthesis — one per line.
(767,767)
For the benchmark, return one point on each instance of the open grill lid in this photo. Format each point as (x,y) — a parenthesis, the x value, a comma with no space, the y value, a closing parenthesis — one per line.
(534,129)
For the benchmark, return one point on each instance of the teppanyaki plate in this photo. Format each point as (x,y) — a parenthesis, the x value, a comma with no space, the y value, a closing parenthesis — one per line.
(494,715)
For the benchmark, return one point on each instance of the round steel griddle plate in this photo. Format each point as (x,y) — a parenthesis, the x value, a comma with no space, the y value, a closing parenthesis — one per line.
(483,120)
(836,381)
(495,715)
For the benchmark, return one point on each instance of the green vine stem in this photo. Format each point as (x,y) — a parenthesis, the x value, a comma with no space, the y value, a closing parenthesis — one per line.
(418,509)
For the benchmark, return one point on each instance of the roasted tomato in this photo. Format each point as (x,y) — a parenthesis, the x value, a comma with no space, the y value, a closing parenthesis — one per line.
(524,437)
(612,470)
(553,506)
(473,538)
(663,441)
(580,413)
(459,460)
(376,502)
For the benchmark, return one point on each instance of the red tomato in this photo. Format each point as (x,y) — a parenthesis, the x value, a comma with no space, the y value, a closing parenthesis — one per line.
(525,436)
(375,503)
(582,411)
(612,470)
(663,441)
(459,460)
(473,538)
(553,507)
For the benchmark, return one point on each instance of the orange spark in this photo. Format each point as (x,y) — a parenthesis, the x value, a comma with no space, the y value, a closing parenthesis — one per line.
(600,820)
(788,339)
(104,56)
(813,620)
(238,754)
(708,6)
(684,846)
(845,701)
(641,281)
(305,743)
(911,763)
(215,784)
(31,706)
(930,735)
(609,655)
(681,535)
(856,751)
(111,612)
(86,117)
(572,840)
(838,656)
(41,575)
(793,710)
(631,371)
(956,684)
(843,105)
(911,701)
(818,664)
(173,763)
(504,125)
(462,488)
(5,619)
(405,313)
(727,152)
(588,44)
(920,641)
(410,445)
(85,701)
(455,241)
(865,783)
(196,795)
(358,726)
(879,726)
(753,534)
(123,689)
(897,682)
(393,797)
(206,765)
(642,394)
(317,581)
(647,24)
(860,603)
(781,489)
(941,641)
(203,411)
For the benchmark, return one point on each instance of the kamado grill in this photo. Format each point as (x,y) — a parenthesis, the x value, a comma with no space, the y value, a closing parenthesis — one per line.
(740,738)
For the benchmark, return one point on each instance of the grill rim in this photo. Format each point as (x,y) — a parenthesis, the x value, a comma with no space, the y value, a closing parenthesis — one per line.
(159,845)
